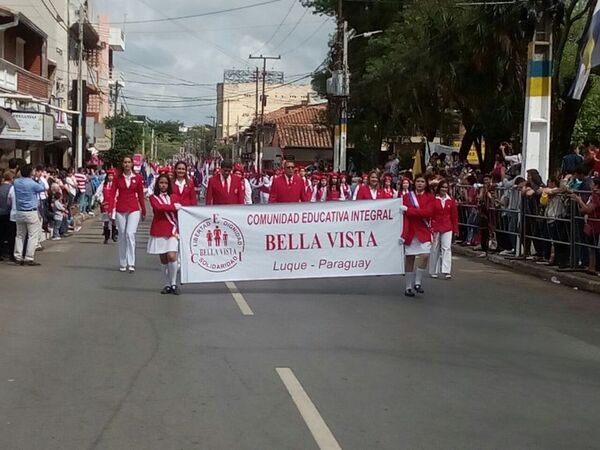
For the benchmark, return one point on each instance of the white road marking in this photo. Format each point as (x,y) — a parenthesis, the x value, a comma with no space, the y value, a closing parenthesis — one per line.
(239,299)
(315,423)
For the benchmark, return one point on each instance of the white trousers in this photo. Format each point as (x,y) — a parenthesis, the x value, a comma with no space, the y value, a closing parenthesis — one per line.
(441,254)
(127,224)
(264,198)
(30,227)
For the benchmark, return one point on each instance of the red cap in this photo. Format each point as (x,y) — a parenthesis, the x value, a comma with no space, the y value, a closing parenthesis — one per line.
(387,176)
(238,168)
(111,172)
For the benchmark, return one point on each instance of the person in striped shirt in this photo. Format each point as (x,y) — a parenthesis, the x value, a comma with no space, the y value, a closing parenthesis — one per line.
(81,178)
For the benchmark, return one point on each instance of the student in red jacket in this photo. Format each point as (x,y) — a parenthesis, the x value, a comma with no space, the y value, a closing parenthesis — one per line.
(417,235)
(184,189)
(225,189)
(388,191)
(130,208)
(372,190)
(288,188)
(164,235)
(106,195)
(345,187)
(444,226)
(334,193)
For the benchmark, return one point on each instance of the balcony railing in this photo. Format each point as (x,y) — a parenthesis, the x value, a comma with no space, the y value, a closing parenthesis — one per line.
(8,76)
(29,83)
(15,78)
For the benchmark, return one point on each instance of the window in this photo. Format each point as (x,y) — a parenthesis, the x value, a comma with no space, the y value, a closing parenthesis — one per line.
(20,60)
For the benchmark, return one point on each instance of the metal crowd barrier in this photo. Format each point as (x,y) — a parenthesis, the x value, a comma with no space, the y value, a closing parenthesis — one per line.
(520,225)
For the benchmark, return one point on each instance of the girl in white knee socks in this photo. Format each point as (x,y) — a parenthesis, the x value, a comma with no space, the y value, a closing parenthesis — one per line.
(417,234)
(164,236)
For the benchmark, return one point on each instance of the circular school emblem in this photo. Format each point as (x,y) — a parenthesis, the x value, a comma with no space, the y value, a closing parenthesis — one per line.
(217,244)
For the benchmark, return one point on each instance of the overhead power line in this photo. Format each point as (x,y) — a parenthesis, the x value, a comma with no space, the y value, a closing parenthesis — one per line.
(193,16)
(305,41)
(292,30)
(198,36)
(248,27)
(278,26)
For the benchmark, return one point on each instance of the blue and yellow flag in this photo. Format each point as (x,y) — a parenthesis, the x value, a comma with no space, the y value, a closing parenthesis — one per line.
(590,54)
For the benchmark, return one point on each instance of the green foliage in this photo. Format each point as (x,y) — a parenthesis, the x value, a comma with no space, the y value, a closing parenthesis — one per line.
(587,127)
(128,138)
(435,57)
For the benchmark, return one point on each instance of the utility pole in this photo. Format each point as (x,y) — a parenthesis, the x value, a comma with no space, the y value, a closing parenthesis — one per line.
(214,125)
(115,112)
(228,117)
(263,98)
(81,118)
(341,71)
(344,105)
(538,101)
(152,149)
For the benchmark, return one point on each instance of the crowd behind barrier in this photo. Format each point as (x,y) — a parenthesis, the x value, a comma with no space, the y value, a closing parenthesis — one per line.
(555,222)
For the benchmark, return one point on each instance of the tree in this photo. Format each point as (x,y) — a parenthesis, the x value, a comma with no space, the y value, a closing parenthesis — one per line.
(435,57)
(128,138)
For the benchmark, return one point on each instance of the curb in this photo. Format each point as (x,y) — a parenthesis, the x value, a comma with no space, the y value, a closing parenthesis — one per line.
(571,279)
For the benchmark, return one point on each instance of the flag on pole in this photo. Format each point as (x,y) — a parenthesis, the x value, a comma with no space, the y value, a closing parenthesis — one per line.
(590,54)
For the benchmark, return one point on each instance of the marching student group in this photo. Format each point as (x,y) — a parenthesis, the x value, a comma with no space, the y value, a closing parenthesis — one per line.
(430,214)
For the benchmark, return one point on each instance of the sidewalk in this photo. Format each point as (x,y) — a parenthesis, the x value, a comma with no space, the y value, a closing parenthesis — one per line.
(78,221)
(578,280)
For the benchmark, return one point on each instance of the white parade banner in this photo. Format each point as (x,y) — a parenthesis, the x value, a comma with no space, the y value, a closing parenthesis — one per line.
(291,241)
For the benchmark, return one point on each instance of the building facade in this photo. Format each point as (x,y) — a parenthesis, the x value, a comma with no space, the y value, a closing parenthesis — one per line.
(39,68)
(238,103)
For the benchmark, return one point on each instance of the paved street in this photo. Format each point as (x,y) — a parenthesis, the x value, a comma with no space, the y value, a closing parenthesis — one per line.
(91,358)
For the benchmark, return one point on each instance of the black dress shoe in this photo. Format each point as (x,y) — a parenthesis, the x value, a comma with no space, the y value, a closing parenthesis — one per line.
(419,289)
(166,290)
(409,293)
(174,290)
(32,263)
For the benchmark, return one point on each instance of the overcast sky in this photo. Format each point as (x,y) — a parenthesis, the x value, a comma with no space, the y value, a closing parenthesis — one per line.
(199,49)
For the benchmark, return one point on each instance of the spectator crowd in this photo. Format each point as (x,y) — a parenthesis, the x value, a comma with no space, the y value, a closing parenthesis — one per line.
(38,202)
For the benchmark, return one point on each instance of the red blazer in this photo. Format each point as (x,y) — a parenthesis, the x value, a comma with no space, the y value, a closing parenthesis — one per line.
(164,222)
(417,220)
(283,192)
(389,194)
(364,193)
(445,217)
(187,197)
(129,199)
(217,194)
(108,197)
(333,195)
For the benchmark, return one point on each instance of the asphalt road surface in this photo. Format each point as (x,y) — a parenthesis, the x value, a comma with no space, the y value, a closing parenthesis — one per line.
(91,358)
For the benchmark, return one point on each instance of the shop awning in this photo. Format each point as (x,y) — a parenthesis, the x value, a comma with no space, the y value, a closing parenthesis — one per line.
(8,121)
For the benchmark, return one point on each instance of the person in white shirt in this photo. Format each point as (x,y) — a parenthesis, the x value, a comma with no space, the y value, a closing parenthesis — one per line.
(265,189)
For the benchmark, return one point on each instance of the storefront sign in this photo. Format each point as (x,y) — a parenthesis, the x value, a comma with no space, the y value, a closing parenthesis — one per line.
(290,241)
(34,127)
(102,144)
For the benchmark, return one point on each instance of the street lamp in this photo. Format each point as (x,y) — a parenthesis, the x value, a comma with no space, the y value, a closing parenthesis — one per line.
(367,34)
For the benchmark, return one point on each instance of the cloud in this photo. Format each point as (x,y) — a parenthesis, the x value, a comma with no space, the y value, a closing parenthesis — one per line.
(200,49)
